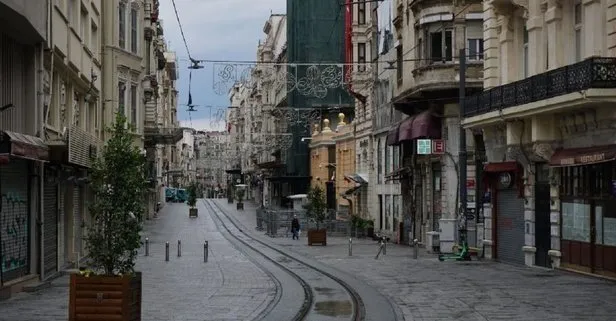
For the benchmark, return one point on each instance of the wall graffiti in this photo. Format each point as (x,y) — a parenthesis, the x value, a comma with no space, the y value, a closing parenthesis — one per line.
(14,235)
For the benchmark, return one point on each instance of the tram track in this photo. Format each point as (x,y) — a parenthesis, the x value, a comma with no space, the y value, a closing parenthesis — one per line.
(325,295)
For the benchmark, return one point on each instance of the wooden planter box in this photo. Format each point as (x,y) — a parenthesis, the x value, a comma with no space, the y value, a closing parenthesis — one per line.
(240,206)
(104,298)
(317,236)
(193,212)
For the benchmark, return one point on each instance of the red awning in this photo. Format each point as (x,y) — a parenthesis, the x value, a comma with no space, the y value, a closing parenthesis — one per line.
(583,156)
(501,167)
(422,125)
(23,146)
(392,136)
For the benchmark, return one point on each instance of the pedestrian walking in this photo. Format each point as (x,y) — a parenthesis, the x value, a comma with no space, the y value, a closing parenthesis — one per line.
(295,227)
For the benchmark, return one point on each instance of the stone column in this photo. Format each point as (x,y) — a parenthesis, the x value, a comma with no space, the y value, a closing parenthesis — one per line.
(491,47)
(593,41)
(553,20)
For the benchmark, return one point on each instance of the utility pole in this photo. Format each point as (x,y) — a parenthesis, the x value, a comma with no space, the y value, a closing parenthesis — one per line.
(462,153)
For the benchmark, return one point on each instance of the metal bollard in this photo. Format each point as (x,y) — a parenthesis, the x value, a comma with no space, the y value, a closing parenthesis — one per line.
(179,248)
(167,251)
(205,251)
(147,246)
(415,249)
(350,246)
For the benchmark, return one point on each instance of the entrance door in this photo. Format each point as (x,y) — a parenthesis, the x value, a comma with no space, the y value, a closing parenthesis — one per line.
(381,212)
(542,216)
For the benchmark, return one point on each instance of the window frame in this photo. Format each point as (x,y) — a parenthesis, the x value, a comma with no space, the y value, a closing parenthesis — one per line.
(122,25)
(361,56)
(578,25)
(476,53)
(134,30)
(361,12)
(122,96)
(446,55)
(134,92)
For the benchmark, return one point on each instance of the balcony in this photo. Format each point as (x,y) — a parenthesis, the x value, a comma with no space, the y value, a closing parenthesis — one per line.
(162,136)
(553,90)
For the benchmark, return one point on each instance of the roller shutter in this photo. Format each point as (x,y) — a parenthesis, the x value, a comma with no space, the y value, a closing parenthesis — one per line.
(510,227)
(50,223)
(14,220)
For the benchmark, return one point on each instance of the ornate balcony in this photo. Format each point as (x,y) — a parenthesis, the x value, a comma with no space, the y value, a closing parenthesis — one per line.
(162,136)
(552,88)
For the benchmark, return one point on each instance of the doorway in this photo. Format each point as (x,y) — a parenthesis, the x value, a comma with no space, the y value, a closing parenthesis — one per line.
(542,215)
(381,212)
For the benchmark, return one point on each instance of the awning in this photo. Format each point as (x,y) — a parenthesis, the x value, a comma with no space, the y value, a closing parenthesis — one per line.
(23,146)
(351,191)
(392,136)
(583,156)
(501,167)
(422,125)
(357,178)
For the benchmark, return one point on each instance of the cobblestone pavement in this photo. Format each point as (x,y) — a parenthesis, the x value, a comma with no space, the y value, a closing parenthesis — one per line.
(426,289)
(228,287)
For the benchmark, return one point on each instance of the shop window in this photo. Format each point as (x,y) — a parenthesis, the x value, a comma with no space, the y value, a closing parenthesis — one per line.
(576,221)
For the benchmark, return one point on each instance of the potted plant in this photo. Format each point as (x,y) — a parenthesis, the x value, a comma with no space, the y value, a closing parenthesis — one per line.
(239,194)
(316,211)
(110,287)
(191,200)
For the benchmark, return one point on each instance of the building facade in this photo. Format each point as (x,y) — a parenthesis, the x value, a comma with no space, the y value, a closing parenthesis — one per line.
(548,130)
(24,35)
(428,36)
(210,163)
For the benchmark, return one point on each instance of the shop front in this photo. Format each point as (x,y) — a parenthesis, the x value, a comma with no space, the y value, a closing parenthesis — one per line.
(587,208)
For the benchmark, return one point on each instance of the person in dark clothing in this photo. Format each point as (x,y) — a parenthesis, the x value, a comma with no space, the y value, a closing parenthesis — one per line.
(295,227)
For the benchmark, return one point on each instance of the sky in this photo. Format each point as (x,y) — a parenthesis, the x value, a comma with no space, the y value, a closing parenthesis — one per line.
(215,30)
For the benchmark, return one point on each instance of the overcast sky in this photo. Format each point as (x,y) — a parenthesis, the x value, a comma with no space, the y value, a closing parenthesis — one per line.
(214,30)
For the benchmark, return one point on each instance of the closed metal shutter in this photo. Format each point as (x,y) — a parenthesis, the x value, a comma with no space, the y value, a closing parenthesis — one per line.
(50,223)
(510,227)
(77,220)
(14,220)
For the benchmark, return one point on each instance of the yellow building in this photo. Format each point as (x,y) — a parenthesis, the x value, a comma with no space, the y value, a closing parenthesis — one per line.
(332,158)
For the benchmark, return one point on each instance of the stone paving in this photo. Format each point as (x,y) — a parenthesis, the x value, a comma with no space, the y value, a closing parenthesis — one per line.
(426,289)
(228,287)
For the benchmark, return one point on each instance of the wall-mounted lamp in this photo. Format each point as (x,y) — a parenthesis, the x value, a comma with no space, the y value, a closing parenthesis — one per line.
(306,138)
(327,165)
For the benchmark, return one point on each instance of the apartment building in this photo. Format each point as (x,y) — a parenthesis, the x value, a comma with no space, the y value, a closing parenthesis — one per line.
(210,163)
(23,39)
(428,36)
(73,126)
(387,195)
(547,123)
(360,38)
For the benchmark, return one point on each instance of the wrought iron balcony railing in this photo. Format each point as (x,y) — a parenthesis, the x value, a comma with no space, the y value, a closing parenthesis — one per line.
(596,72)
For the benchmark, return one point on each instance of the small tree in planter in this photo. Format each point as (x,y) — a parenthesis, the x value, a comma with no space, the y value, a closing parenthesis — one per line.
(118,183)
(239,194)
(316,211)
(191,200)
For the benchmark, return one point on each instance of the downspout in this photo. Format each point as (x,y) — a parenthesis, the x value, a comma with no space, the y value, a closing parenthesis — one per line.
(40,133)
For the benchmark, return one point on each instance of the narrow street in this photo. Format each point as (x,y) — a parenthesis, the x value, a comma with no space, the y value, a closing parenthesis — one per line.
(240,282)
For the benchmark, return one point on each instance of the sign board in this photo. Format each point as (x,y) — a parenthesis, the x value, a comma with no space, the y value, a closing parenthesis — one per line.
(424,147)
(438,146)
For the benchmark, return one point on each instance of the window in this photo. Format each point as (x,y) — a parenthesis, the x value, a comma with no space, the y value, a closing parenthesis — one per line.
(475,49)
(122,25)
(577,20)
(133,30)
(133,105)
(71,10)
(84,26)
(387,159)
(379,161)
(361,56)
(121,96)
(399,64)
(94,39)
(361,12)
(396,156)
(441,43)
(525,53)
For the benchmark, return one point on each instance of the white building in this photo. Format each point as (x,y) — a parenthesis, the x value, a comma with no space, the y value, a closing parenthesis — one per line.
(547,120)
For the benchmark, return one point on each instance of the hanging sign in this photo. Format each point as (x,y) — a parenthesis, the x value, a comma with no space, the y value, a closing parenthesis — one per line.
(424,147)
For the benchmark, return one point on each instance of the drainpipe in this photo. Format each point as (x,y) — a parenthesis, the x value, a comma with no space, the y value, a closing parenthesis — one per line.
(40,120)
